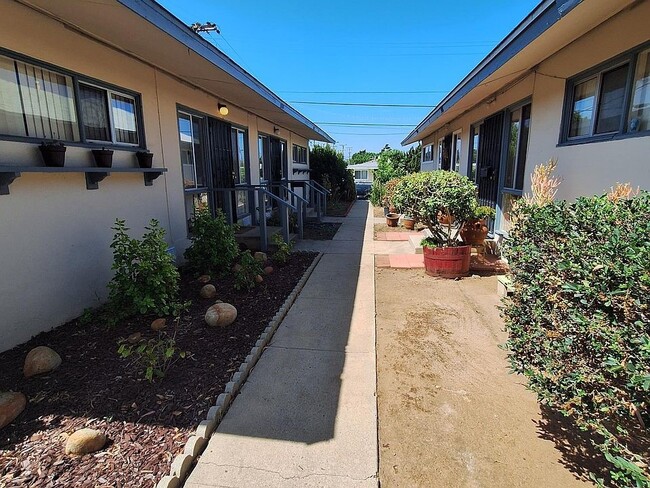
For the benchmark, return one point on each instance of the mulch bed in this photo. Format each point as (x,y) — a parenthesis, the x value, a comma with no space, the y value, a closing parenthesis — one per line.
(339,209)
(147,423)
(320,231)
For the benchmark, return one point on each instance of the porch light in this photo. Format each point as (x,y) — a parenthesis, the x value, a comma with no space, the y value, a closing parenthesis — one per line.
(223,110)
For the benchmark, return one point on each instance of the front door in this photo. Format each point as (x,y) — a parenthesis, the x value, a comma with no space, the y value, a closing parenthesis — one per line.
(220,157)
(489,160)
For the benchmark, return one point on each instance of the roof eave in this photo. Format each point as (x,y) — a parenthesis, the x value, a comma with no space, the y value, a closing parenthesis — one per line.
(544,16)
(156,14)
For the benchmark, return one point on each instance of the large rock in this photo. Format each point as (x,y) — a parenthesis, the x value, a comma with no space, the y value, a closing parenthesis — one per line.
(268,270)
(208,291)
(203,279)
(159,324)
(41,360)
(11,405)
(85,441)
(260,256)
(220,315)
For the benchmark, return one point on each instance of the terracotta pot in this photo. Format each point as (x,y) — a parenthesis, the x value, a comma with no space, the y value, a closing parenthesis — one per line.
(408,223)
(474,232)
(392,219)
(447,262)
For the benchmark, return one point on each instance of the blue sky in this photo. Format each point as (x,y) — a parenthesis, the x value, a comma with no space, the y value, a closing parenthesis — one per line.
(415,51)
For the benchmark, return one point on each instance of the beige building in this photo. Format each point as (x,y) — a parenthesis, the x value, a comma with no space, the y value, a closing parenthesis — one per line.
(572,82)
(128,76)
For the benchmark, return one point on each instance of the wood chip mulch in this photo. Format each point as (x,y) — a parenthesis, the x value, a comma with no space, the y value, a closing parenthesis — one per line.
(147,423)
(320,231)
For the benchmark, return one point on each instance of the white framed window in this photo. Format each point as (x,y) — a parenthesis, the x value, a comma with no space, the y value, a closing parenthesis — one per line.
(361,174)
(108,115)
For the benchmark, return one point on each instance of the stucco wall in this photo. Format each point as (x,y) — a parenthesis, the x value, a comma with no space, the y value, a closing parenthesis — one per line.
(55,236)
(585,169)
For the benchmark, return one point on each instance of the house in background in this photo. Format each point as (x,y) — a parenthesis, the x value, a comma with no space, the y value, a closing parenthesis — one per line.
(125,75)
(572,82)
(364,175)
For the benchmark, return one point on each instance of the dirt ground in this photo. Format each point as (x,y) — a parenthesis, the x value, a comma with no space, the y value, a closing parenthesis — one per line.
(450,414)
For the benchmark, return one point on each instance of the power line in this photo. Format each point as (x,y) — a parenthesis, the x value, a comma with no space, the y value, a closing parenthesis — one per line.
(352,124)
(364,92)
(367,134)
(355,104)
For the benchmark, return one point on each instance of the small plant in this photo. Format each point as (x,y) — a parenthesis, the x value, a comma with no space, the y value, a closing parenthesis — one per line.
(622,192)
(248,270)
(389,192)
(146,279)
(376,193)
(484,212)
(283,252)
(543,184)
(154,356)
(213,248)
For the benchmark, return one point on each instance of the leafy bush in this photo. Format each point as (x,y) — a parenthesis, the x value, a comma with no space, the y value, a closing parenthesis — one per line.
(429,195)
(283,251)
(389,192)
(213,248)
(578,319)
(247,272)
(330,170)
(146,279)
(155,356)
(376,194)
(484,212)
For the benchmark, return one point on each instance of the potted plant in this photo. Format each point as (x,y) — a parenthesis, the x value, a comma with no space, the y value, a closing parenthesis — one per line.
(145,158)
(425,196)
(475,229)
(408,222)
(103,157)
(392,219)
(53,153)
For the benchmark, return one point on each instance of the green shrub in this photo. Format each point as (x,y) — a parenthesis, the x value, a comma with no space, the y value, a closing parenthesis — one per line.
(283,251)
(247,272)
(154,356)
(389,192)
(376,194)
(428,195)
(146,280)
(330,170)
(578,320)
(213,248)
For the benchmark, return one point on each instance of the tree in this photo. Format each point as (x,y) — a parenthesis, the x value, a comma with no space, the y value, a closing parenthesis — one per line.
(330,170)
(362,157)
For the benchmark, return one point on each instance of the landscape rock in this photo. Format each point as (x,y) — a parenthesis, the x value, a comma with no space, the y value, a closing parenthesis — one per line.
(84,441)
(41,360)
(158,324)
(11,405)
(220,315)
(203,279)
(259,279)
(134,338)
(208,291)
(268,270)
(260,256)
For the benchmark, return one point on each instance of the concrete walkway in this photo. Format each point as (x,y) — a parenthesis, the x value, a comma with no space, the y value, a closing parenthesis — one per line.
(307,416)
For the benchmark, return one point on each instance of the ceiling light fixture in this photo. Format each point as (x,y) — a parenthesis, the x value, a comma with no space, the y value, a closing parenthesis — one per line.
(223,110)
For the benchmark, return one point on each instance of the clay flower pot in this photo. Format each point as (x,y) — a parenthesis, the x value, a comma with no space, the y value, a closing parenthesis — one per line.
(408,223)
(474,232)
(392,219)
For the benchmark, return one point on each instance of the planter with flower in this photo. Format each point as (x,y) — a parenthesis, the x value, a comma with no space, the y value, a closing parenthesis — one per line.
(476,229)
(426,197)
(392,217)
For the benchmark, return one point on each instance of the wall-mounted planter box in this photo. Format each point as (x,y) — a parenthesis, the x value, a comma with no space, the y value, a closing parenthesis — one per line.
(93,175)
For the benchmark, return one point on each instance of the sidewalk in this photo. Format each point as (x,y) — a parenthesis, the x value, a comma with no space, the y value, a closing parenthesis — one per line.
(307,416)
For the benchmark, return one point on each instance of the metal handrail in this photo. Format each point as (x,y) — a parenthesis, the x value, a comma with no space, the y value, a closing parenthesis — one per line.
(320,187)
(321,198)
(302,207)
(284,216)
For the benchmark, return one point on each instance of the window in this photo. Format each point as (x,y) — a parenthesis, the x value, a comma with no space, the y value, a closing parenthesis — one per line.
(519,128)
(612,100)
(240,169)
(263,150)
(474,138)
(299,154)
(455,151)
(40,103)
(191,130)
(441,152)
(427,153)
(360,174)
